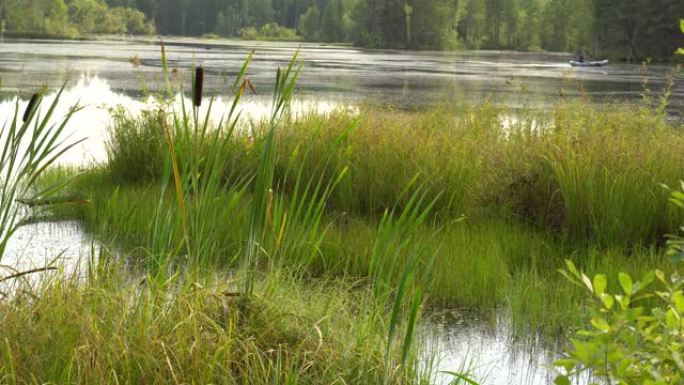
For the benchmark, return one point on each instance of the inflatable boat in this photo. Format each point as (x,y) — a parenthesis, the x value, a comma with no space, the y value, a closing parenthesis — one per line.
(600,63)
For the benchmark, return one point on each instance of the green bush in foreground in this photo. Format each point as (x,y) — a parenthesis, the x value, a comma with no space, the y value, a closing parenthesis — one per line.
(627,343)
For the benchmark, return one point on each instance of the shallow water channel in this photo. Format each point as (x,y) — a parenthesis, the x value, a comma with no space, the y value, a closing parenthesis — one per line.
(108,74)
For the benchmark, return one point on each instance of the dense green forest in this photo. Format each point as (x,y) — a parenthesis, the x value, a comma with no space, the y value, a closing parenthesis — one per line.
(626,29)
(71,17)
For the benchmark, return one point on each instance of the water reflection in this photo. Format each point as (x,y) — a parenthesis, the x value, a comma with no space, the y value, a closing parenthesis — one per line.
(466,342)
(63,245)
(331,73)
(97,99)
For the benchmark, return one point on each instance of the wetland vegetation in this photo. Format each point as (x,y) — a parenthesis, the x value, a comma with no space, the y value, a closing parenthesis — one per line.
(317,247)
(306,248)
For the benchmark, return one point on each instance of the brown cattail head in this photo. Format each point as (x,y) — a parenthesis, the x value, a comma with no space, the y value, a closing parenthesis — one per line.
(31,106)
(198,86)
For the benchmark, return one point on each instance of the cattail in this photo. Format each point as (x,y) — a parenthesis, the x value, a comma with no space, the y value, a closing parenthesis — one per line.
(199,83)
(31,106)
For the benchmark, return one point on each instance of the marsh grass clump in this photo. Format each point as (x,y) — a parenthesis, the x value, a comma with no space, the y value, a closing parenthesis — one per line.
(608,167)
(135,147)
(593,174)
(533,188)
(110,329)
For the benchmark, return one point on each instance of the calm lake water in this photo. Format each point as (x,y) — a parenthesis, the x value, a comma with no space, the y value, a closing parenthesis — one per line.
(107,74)
(330,73)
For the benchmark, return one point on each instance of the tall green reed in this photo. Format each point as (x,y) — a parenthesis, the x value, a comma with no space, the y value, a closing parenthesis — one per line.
(400,271)
(194,155)
(263,184)
(297,220)
(27,148)
(194,166)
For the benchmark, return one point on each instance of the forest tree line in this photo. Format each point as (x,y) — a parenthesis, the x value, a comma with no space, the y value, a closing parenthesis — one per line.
(72,17)
(626,29)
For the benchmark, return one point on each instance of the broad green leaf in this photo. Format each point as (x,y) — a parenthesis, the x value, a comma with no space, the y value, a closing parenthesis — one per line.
(623,301)
(567,363)
(561,380)
(677,202)
(671,320)
(600,283)
(572,268)
(569,278)
(600,324)
(646,280)
(678,195)
(607,300)
(626,283)
(678,301)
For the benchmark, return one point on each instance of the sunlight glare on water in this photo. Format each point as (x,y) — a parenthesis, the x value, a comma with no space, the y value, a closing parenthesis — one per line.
(96,99)
(63,245)
(464,342)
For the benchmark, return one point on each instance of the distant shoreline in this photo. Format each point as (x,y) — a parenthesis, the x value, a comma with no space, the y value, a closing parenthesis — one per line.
(209,40)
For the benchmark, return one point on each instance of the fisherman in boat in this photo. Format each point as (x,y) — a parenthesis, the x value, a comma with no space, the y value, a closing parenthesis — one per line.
(582,61)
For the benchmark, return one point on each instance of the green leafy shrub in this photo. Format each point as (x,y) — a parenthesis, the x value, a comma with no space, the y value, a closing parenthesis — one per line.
(628,344)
